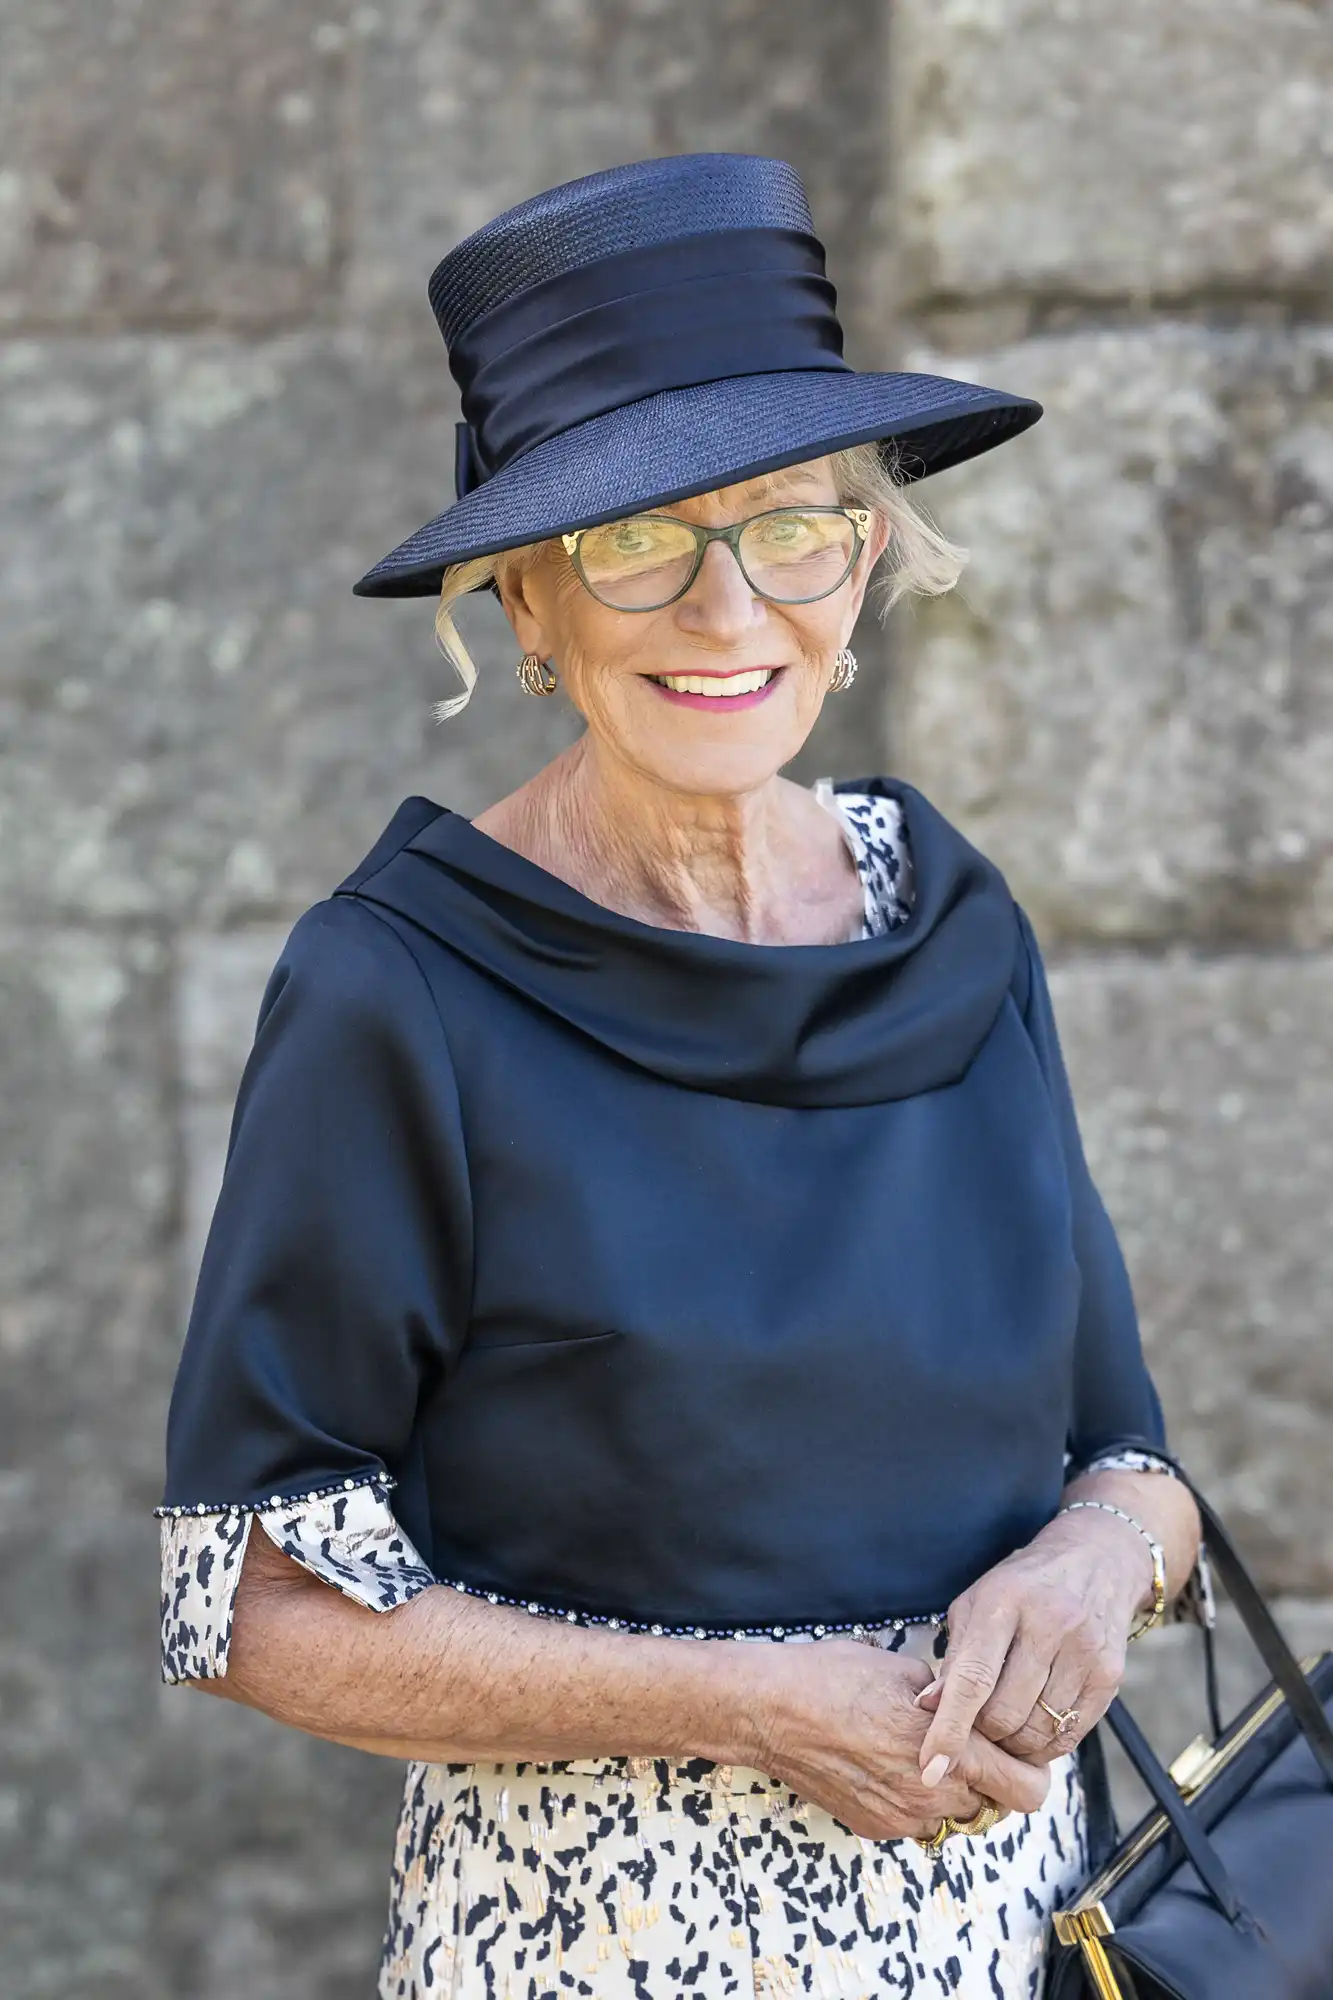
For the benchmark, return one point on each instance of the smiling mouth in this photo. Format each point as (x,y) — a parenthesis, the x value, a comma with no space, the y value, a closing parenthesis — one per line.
(716,687)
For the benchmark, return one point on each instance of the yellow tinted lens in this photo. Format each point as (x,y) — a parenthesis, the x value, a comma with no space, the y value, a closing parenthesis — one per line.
(797,554)
(638,562)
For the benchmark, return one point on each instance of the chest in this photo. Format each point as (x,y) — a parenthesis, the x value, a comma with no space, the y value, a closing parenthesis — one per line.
(698,1229)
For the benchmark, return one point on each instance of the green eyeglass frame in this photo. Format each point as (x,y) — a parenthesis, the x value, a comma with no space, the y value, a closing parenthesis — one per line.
(860,518)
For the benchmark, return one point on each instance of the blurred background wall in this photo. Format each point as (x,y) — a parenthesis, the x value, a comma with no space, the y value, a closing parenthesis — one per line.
(224,396)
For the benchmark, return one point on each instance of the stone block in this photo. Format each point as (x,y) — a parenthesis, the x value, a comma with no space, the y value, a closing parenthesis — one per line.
(1206,1100)
(86,1174)
(152,1843)
(159,1843)
(198,721)
(465,109)
(1127,701)
(170,166)
(1113,148)
(85,1203)
(221,981)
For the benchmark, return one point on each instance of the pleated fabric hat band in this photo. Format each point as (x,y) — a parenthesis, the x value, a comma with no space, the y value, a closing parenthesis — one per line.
(666,315)
(651,331)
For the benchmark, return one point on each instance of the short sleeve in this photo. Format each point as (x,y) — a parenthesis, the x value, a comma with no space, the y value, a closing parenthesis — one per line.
(333,1290)
(1114,1400)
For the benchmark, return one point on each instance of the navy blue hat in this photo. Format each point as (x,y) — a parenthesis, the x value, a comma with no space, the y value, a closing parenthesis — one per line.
(650,332)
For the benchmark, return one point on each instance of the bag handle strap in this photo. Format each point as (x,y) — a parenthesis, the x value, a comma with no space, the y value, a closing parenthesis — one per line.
(1204,1856)
(1211,1685)
(1258,1621)
(1262,1627)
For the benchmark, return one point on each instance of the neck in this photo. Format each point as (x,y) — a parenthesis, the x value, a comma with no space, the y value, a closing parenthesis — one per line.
(762,866)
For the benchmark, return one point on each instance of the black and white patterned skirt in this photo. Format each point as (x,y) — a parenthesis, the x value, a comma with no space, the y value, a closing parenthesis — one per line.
(630,1879)
(633,1878)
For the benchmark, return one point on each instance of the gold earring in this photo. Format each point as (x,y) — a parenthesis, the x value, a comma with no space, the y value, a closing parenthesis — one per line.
(844,671)
(535,677)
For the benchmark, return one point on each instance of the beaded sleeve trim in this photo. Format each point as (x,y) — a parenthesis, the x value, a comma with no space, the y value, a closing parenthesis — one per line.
(279,1500)
(798,1629)
(345,1534)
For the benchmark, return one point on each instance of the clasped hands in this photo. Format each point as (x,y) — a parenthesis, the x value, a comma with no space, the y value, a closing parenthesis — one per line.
(1036,1647)
(891,1751)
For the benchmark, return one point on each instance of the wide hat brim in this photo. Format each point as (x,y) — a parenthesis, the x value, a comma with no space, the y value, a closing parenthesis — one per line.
(684,441)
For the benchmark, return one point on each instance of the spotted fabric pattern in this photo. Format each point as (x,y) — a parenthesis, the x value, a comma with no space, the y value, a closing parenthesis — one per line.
(201,1565)
(876,834)
(352,1541)
(348,1538)
(643,1879)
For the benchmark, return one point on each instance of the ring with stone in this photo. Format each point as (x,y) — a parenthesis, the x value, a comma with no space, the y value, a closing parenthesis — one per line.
(933,1842)
(1064,1719)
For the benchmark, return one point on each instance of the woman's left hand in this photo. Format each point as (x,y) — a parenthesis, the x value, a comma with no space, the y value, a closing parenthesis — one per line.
(1051,1620)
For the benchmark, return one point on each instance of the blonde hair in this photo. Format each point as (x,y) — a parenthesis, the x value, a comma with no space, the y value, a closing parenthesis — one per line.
(918,559)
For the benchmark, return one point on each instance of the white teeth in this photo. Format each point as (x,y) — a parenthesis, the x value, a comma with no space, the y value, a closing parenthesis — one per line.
(718,686)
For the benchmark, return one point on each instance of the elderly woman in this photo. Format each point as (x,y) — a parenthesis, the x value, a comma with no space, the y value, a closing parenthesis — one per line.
(657,1309)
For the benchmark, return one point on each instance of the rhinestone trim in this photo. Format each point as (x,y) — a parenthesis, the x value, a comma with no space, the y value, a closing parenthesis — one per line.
(809,1628)
(280,1501)
(284,1502)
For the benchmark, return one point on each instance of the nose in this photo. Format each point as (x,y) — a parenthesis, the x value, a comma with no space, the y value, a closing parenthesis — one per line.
(719,603)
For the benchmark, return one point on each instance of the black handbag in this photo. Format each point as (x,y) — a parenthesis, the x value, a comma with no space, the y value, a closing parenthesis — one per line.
(1224,1891)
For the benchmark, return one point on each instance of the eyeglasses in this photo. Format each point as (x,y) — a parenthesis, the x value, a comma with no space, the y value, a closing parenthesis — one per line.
(790,555)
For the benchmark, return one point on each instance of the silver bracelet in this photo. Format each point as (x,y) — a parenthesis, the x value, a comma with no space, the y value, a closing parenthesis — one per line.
(1158,1611)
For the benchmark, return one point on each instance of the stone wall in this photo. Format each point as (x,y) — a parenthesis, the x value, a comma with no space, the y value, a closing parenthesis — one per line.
(222,396)
(1126,210)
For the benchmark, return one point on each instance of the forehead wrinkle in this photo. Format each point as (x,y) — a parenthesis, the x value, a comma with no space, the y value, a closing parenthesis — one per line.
(767,481)
(766,486)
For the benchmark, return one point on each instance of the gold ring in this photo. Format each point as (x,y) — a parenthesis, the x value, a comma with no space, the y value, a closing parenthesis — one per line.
(935,1841)
(982,1822)
(1063,1718)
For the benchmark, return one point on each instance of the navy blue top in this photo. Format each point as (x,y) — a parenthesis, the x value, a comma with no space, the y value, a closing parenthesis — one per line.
(673,1278)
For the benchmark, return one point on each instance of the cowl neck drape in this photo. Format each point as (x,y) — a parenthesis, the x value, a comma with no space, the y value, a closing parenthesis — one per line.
(864,1022)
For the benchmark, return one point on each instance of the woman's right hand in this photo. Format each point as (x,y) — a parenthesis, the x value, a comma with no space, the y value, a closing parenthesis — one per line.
(836,1721)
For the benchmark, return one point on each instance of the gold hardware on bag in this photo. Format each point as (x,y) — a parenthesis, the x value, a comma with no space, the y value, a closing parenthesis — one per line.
(1190,1765)
(1086,1927)
(1086,1922)
(1201,1760)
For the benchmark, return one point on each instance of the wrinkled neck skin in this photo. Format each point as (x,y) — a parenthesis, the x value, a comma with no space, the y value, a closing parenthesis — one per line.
(764,866)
